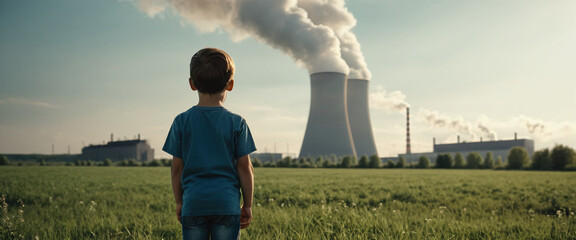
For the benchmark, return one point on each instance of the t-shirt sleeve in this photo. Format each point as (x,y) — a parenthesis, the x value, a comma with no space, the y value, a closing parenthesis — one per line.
(244,142)
(173,144)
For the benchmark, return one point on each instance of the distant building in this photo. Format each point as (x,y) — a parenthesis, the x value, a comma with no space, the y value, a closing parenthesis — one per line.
(136,149)
(497,148)
(267,157)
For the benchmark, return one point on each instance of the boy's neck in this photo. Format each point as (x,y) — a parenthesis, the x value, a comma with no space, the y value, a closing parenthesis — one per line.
(211,100)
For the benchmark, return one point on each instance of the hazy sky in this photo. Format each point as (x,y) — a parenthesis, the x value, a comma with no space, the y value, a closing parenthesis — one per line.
(74,71)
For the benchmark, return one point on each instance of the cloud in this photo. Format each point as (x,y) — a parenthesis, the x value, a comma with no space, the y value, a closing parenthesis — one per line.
(394,101)
(281,24)
(335,15)
(22,101)
(544,129)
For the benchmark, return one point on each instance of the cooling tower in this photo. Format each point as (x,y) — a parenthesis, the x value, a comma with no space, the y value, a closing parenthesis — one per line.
(328,129)
(359,117)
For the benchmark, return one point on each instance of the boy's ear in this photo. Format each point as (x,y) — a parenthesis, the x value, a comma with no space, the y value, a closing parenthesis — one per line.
(192,84)
(230,85)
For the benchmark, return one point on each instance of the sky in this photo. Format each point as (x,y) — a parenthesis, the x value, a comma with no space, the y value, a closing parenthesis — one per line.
(72,72)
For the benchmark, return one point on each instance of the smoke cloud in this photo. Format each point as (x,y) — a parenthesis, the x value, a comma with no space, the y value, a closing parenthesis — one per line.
(335,15)
(545,130)
(394,101)
(282,24)
(533,126)
(487,132)
(438,120)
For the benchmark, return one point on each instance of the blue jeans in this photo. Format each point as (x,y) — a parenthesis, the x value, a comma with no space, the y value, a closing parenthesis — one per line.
(211,227)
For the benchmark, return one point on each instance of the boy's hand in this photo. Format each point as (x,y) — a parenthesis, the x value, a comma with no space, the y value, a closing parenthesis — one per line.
(245,217)
(179,212)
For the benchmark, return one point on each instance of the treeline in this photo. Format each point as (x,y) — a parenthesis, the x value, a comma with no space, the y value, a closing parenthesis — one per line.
(558,158)
(332,161)
(4,160)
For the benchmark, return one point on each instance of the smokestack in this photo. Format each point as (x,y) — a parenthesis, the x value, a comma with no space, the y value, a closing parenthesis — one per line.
(458,139)
(328,129)
(408,150)
(359,117)
(515,136)
(111,137)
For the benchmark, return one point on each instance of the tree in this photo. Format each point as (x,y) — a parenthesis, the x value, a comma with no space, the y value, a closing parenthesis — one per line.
(285,162)
(499,163)
(401,162)
(166,162)
(270,164)
(562,156)
(541,160)
(256,162)
(327,164)
(4,161)
(423,162)
(444,161)
(333,159)
(319,161)
(363,163)
(107,162)
(518,158)
(133,163)
(390,164)
(458,161)
(489,161)
(375,162)
(295,163)
(155,163)
(346,162)
(473,160)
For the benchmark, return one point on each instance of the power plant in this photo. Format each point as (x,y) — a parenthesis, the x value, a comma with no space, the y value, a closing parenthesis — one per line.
(328,129)
(499,149)
(339,119)
(359,117)
(136,149)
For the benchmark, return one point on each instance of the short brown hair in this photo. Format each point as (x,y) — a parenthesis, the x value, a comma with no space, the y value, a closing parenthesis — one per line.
(211,69)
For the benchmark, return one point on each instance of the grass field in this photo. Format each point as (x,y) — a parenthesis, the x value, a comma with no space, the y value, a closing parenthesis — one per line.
(137,203)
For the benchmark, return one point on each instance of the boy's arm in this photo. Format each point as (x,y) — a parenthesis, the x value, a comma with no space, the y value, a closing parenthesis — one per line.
(246,174)
(177,167)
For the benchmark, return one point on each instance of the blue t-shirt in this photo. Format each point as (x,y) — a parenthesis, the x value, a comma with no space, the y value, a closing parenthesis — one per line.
(209,140)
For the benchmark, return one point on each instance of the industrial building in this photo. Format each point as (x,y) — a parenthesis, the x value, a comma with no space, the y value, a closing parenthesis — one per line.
(499,149)
(136,149)
(266,157)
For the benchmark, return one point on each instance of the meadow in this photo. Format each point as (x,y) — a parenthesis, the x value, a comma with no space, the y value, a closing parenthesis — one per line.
(65,202)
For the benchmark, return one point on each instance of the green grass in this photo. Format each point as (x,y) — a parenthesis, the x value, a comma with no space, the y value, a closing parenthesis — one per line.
(137,203)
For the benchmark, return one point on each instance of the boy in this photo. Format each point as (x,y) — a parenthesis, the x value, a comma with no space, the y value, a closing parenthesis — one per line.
(210,148)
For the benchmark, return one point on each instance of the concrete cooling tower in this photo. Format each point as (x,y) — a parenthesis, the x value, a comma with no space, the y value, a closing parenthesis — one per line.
(328,129)
(359,117)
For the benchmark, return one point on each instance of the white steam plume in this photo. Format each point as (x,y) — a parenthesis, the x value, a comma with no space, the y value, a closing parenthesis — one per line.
(533,126)
(281,24)
(487,132)
(436,119)
(334,14)
(394,101)
(546,130)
